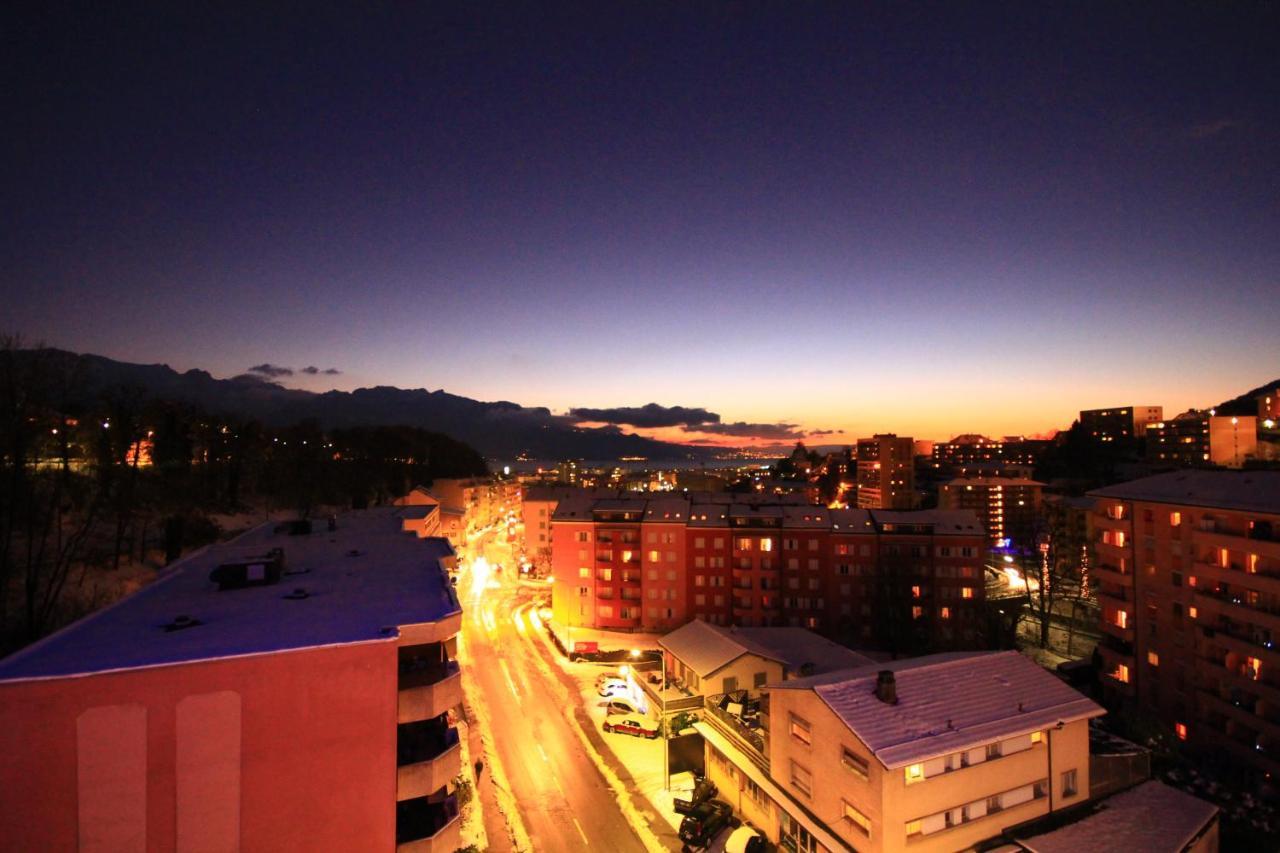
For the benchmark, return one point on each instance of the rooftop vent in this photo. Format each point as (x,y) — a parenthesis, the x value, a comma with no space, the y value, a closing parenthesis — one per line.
(250,571)
(886,687)
(180,622)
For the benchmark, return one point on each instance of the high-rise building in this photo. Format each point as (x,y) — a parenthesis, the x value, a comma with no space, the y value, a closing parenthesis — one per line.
(1188,565)
(1201,439)
(1007,507)
(654,564)
(288,690)
(1120,422)
(971,450)
(886,473)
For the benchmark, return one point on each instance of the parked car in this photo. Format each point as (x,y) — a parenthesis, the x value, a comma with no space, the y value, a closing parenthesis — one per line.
(631,724)
(745,839)
(621,705)
(700,827)
(703,790)
(613,687)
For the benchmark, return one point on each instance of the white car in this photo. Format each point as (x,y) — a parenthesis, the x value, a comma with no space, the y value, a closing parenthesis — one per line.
(611,686)
(744,839)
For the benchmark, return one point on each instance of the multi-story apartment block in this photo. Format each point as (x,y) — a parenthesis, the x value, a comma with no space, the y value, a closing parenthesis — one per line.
(1007,507)
(285,691)
(538,506)
(1189,570)
(1120,422)
(937,753)
(886,477)
(1200,439)
(482,500)
(971,449)
(654,564)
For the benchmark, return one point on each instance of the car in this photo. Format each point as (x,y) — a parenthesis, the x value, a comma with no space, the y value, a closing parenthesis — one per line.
(613,687)
(621,705)
(745,839)
(700,827)
(631,724)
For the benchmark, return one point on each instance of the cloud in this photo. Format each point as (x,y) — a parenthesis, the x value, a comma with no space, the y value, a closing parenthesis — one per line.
(741,429)
(822,432)
(648,416)
(312,370)
(1210,129)
(271,371)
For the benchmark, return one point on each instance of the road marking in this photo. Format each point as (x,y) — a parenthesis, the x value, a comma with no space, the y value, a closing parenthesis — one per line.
(506,672)
(543,752)
(515,617)
(580,832)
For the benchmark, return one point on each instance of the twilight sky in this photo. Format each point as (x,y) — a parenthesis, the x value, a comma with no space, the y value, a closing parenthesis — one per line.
(928,220)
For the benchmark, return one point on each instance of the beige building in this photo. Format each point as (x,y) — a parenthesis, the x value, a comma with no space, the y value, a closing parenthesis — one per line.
(928,754)
(1199,439)
(886,472)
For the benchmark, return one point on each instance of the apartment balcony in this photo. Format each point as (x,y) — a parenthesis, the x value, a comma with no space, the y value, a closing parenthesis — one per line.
(1111,554)
(1108,574)
(1266,580)
(1234,607)
(1113,660)
(1117,599)
(428,756)
(631,579)
(428,824)
(428,691)
(1240,746)
(1102,521)
(742,722)
(1261,541)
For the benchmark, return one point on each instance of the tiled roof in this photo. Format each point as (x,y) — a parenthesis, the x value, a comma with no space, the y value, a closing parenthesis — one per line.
(947,703)
(1152,817)
(705,648)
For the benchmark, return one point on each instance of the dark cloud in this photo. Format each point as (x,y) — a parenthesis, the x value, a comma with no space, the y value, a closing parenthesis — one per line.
(741,429)
(648,416)
(312,370)
(271,371)
(822,432)
(331,371)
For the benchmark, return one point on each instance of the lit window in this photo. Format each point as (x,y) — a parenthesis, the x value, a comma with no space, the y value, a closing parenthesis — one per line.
(1036,737)
(915,592)
(966,592)
(854,763)
(766,544)
(1153,658)
(913,827)
(944,613)
(917,612)
(1175,519)
(1253,668)
(800,730)
(915,773)
(1181,730)
(1121,673)
(857,818)
(1192,612)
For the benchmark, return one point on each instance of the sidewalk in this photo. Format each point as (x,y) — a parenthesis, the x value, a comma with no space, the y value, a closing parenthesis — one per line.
(607,641)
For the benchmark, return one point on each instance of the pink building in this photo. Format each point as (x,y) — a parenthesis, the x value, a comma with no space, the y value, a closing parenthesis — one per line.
(288,690)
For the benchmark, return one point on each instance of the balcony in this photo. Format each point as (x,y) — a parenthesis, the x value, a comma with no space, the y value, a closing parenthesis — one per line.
(1235,608)
(1111,575)
(738,717)
(1261,540)
(428,824)
(1265,580)
(429,691)
(428,756)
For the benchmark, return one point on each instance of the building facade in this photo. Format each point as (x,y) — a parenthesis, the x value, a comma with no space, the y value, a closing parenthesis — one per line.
(1006,506)
(936,753)
(1202,439)
(1188,566)
(654,564)
(286,691)
(886,472)
(1120,422)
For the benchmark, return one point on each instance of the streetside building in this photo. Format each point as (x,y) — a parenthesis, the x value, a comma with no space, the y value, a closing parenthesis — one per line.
(653,564)
(1120,422)
(537,508)
(1188,566)
(288,690)
(936,753)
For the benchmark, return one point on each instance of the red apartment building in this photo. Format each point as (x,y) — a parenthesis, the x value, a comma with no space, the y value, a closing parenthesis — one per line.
(654,564)
(1189,570)
(285,691)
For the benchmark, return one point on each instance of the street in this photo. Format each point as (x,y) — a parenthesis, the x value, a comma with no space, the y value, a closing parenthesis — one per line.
(562,800)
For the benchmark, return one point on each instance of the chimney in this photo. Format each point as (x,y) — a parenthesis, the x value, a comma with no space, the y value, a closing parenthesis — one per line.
(886,687)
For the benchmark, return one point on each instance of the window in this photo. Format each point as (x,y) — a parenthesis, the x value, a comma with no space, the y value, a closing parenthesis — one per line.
(1175,519)
(915,592)
(730,684)
(800,730)
(860,821)
(995,804)
(1036,737)
(944,613)
(584,536)
(913,827)
(1069,788)
(766,544)
(1153,659)
(854,763)
(966,592)
(801,779)
(917,612)
(1181,730)
(700,542)
(915,773)
(993,750)
(1253,668)
(743,544)
(584,573)
(759,679)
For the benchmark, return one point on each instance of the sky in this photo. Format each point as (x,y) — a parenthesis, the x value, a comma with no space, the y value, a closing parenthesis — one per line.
(921,218)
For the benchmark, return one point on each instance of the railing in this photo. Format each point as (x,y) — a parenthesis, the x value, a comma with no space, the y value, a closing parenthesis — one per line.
(750,735)
(419,819)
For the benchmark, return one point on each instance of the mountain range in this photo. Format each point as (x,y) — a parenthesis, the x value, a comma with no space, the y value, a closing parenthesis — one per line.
(499,429)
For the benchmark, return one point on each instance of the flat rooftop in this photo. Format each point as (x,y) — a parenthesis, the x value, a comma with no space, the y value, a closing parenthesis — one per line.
(1249,491)
(360,580)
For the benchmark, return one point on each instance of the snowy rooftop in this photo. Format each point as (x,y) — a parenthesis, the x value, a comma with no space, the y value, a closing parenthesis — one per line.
(947,702)
(1151,817)
(361,579)
(705,648)
(944,522)
(1250,491)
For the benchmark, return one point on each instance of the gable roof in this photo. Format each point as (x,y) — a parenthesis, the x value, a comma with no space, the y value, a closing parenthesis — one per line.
(705,648)
(1125,822)
(947,702)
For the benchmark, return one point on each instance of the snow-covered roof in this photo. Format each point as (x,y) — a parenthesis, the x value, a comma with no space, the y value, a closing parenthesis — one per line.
(1151,817)
(1249,491)
(361,581)
(947,702)
(705,648)
(943,522)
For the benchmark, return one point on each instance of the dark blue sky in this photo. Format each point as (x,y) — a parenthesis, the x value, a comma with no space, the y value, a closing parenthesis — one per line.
(924,218)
